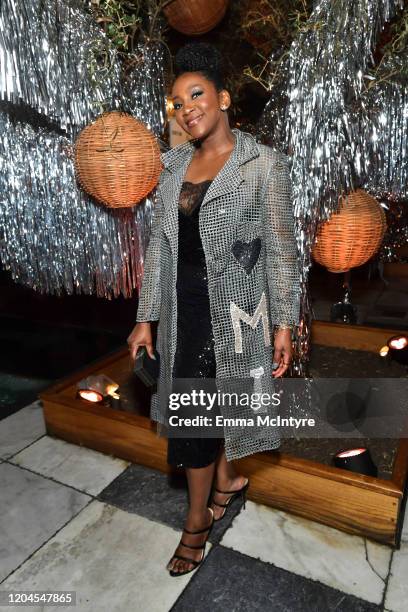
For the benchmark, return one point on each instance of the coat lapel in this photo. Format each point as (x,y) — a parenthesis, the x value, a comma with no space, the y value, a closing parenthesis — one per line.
(176,162)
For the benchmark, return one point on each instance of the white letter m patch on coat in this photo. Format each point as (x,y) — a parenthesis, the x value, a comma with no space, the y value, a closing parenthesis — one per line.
(238,315)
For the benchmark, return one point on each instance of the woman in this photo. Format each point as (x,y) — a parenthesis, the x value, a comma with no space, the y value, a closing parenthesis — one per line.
(220,270)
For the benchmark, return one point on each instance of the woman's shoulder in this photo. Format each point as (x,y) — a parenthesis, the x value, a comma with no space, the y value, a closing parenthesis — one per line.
(175,155)
(273,155)
(269,159)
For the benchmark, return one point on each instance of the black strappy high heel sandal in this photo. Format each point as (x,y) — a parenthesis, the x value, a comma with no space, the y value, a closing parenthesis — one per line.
(202,546)
(242,491)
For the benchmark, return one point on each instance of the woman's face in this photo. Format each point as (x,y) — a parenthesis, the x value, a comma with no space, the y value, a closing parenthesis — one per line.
(196,104)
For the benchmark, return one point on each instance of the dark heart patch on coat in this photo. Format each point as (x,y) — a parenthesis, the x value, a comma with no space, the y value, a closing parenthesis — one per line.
(247,253)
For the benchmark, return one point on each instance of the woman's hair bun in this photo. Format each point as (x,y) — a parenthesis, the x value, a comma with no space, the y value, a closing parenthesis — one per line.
(198,56)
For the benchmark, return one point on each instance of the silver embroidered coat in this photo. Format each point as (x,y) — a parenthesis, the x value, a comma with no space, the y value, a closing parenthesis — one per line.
(246,226)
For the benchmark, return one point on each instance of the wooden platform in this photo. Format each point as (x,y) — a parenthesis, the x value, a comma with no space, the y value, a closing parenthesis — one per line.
(356,337)
(354,503)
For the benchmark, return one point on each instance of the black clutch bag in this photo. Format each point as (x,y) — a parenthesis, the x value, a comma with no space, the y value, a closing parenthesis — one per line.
(146,368)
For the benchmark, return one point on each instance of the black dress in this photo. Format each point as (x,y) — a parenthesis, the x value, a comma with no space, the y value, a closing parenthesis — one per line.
(194,356)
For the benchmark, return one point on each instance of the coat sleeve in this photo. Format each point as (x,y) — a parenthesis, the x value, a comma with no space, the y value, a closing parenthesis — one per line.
(283,273)
(150,293)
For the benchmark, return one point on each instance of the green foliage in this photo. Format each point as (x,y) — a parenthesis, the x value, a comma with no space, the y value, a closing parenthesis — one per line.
(393,65)
(254,38)
(120,19)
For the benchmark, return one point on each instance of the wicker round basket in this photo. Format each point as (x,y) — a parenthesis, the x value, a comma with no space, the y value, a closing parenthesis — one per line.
(195,17)
(351,236)
(117,160)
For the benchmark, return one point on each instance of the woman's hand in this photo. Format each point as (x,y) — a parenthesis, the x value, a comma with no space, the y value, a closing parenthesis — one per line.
(283,351)
(141,335)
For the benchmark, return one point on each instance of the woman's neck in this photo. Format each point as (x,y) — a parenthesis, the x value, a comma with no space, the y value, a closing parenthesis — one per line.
(217,144)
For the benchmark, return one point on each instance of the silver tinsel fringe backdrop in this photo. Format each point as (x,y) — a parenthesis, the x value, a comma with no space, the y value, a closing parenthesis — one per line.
(330,134)
(58,72)
(144,89)
(52,235)
(338,135)
(56,60)
(384,130)
(386,133)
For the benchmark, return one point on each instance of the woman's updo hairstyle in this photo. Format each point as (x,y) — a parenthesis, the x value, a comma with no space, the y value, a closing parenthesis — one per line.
(201,57)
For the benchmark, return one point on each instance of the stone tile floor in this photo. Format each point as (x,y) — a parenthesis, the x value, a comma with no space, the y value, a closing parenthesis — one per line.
(75,519)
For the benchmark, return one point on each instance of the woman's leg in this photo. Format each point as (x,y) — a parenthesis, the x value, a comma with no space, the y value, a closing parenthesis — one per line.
(199,488)
(226,479)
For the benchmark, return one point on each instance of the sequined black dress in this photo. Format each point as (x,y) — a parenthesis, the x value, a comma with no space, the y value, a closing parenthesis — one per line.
(194,356)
